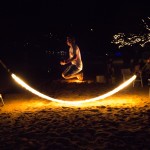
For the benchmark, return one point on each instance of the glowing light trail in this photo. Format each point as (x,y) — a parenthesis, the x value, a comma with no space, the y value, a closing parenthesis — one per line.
(27,87)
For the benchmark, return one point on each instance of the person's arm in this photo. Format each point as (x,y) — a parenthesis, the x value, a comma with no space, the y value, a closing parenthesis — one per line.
(75,55)
(71,59)
(68,60)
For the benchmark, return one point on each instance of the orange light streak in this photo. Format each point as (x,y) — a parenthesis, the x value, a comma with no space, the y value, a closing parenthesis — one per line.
(69,102)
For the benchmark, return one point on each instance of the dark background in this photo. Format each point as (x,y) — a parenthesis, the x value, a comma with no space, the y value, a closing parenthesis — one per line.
(31,31)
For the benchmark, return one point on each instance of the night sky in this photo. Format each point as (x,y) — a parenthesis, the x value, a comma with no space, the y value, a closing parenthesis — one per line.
(79,17)
(29,27)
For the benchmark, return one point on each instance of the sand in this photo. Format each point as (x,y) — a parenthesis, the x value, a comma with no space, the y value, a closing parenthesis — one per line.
(121,121)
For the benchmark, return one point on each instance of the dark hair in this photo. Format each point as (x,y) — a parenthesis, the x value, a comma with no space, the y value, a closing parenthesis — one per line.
(71,39)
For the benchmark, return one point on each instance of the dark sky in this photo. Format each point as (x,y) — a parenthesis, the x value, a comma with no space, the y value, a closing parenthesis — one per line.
(32,14)
(96,21)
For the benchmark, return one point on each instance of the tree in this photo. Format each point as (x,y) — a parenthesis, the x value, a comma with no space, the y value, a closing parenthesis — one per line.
(122,39)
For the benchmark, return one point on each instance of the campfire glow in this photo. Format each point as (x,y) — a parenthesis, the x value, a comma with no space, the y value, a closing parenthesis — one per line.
(27,87)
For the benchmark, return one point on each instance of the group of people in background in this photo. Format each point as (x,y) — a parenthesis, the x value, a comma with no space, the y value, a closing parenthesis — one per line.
(139,67)
(142,68)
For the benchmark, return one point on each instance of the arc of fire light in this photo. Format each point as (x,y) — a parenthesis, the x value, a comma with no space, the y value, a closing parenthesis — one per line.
(29,88)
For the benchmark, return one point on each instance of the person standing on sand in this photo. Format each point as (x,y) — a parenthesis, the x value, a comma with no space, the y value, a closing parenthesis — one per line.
(74,70)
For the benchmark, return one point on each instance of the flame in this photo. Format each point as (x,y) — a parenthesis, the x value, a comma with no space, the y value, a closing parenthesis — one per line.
(27,87)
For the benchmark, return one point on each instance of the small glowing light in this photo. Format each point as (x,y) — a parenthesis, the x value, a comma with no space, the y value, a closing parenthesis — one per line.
(27,87)
(50,34)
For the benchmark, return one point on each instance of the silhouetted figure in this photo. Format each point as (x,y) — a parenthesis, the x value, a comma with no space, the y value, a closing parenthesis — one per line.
(146,70)
(110,71)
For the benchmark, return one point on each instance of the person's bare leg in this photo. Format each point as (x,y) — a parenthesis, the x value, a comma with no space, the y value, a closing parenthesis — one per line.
(68,77)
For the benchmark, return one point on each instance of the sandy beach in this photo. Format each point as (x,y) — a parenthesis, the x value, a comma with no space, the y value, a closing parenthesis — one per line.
(42,43)
(118,122)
